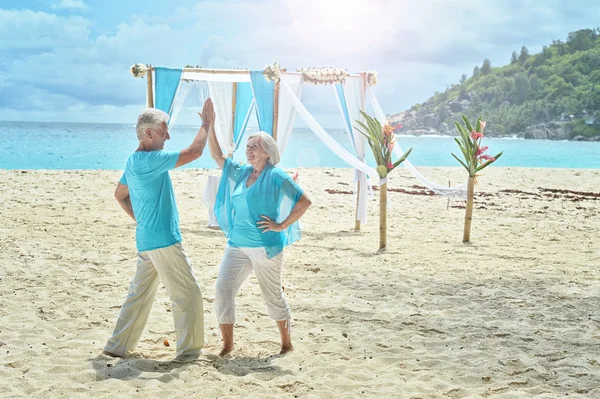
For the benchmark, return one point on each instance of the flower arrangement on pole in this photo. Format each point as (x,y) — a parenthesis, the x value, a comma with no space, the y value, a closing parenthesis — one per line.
(138,70)
(381,139)
(475,160)
(324,75)
(371,78)
(272,73)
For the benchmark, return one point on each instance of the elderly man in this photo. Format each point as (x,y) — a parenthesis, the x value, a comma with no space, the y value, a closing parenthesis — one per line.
(145,192)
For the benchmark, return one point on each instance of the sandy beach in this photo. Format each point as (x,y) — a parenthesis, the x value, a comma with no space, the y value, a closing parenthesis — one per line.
(514,314)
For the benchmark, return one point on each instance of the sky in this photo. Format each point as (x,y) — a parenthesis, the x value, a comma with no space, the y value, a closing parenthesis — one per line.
(68,60)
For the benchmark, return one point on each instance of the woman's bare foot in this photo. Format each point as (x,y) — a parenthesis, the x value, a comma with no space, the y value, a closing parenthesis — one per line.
(286,337)
(286,349)
(226,350)
(227,335)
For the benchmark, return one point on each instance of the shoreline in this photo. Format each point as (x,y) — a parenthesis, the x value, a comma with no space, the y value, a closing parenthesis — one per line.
(408,133)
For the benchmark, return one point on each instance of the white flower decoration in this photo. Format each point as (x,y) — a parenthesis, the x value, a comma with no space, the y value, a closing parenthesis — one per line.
(324,75)
(138,70)
(272,73)
(372,78)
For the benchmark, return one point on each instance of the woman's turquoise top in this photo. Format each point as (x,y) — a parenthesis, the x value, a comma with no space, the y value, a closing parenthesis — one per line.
(238,208)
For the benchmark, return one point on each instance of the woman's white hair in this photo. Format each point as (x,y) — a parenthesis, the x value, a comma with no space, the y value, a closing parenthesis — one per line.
(269,145)
(149,118)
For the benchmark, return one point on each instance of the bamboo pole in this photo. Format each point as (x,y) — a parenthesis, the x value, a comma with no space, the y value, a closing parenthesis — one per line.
(383,216)
(356,221)
(362,107)
(233,105)
(276,109)
(243,71)
(150,90)
(469,210)
(218,71)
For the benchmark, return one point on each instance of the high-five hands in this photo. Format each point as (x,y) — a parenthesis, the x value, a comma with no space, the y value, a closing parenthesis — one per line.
(208,112)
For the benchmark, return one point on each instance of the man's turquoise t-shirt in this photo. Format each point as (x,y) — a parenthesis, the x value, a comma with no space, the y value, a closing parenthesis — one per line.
(152,198)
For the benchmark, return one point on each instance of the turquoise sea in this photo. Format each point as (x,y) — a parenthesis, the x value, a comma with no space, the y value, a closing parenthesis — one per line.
(37,145)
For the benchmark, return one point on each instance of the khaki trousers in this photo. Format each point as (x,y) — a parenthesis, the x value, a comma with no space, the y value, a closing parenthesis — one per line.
(171,265)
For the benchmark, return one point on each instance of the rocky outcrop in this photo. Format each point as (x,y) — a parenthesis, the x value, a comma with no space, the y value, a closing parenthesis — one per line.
(582,138)
(428,120)
(431,121)
(549,131)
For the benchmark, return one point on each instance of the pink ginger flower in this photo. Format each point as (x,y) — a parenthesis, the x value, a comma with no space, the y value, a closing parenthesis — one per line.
(476,135)
(390,165)
(481,150)
(482,124)
(388,129)
(487,158)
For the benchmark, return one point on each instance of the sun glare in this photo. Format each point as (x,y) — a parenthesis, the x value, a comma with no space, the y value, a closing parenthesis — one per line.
(339,27)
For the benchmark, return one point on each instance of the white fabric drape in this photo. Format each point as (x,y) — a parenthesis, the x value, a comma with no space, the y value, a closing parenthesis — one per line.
(180,95)
(287,113)
(324,136)
(457,192)
(221,94)
(354,97)
(202,91)
(209,198)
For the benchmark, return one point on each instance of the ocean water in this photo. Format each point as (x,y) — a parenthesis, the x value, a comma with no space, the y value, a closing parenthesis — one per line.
(35,145)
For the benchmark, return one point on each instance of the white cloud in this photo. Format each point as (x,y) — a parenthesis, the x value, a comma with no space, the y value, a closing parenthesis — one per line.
(24,31)
(417,47)
(69,4)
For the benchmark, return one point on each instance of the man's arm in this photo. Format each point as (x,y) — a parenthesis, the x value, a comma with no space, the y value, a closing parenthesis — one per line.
(122,197)
(194,151)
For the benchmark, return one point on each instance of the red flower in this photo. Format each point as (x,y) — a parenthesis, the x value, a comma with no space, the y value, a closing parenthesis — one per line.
(390,165)
(476,135)
(481,150)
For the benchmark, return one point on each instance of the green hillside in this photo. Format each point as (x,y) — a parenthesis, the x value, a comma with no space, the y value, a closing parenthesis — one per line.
(553,94)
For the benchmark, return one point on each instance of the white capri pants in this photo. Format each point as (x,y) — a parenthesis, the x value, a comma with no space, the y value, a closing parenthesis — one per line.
(172,266)
(236,266)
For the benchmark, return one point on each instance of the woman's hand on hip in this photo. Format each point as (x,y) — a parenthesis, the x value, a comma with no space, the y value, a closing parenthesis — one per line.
(268,224)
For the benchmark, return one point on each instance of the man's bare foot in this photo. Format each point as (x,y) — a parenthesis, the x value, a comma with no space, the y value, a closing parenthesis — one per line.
(226,350)
(107,353)
(286,349)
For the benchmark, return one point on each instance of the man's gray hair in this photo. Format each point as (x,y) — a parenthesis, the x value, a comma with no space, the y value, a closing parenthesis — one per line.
(149,118)
(269,145)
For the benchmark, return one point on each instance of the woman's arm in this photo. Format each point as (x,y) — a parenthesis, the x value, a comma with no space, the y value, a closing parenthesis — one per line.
(215,148)
(299,209)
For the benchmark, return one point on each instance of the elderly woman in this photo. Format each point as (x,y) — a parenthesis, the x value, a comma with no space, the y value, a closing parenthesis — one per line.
(258,206)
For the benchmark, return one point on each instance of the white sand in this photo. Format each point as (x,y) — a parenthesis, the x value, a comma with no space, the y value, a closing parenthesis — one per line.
(514,314)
